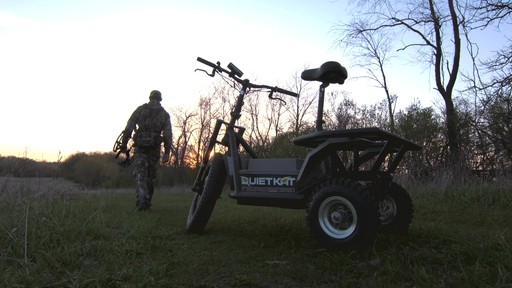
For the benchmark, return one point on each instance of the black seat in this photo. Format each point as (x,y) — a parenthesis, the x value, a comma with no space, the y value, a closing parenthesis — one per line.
(330,72)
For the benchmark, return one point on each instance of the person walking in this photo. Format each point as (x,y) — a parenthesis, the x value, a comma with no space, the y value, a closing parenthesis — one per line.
(152,127)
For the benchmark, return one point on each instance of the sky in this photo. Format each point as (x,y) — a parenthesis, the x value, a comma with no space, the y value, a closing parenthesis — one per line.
(72,72)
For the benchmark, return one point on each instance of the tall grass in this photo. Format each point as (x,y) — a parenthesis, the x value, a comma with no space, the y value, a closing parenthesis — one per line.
(99,240)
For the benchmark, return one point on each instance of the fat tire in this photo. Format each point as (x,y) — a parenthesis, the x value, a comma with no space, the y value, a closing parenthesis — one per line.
(363,217)
(398,204)
(203,203)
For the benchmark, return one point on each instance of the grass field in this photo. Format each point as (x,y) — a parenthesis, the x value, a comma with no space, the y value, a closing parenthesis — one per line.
(82,238)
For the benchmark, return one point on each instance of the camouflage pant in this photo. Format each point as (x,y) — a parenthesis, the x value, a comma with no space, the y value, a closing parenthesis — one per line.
(145,169)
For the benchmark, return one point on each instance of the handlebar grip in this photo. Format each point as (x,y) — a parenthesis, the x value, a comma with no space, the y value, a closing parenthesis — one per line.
(206,62)
(282,91)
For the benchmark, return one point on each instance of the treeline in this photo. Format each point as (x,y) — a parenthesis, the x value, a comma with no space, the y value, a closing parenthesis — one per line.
(486,154)
(92,170)
(467,135)
(25,167)
(271,131)
(485,138)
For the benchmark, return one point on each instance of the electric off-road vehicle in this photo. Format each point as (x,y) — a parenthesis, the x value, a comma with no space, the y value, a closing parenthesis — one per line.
(344,183)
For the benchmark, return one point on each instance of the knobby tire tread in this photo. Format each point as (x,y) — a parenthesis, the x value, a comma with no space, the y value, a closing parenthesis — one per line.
(202,205)
(405,211)
(368,216)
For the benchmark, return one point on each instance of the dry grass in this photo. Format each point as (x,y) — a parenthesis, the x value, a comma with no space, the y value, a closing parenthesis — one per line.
(13,186)
(99,240)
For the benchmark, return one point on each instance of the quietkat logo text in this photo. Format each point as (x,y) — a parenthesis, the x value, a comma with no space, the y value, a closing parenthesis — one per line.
(267,184)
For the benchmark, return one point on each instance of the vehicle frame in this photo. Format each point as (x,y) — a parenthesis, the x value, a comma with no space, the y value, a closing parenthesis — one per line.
(345,182)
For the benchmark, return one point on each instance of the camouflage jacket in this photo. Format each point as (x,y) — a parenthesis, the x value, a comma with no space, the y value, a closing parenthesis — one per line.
(150,120)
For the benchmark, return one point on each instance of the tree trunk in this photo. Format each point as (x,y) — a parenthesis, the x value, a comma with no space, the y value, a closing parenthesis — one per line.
(446,92)
(452,134)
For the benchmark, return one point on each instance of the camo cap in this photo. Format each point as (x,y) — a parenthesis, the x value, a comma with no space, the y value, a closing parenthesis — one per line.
(155,94)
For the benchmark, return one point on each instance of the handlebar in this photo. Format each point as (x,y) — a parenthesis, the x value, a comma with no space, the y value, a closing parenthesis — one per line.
(236,73)
(208,63)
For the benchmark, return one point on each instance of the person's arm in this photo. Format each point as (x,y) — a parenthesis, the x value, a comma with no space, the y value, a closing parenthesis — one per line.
(130,126)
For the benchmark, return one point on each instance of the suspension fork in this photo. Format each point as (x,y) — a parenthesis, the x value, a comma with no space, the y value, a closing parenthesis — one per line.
(234,139)
(237,111)
(199,181)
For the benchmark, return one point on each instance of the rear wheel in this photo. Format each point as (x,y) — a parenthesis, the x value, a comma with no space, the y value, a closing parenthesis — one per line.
(203,203)
(342,215)
(396,210)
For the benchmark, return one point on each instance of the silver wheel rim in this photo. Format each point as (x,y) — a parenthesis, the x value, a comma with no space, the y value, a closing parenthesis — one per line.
(337,217)
(387,210)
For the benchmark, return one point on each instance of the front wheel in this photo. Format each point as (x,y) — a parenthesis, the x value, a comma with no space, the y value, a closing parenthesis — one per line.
(342,215)
(204,201)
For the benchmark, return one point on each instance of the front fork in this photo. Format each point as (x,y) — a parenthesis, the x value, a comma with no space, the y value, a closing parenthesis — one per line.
(233,139)
(199,181)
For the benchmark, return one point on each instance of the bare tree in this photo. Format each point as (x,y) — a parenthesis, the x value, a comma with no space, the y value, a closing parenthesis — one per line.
(302,105)
(207,112)
(499,66)
(275,115)
(259,123)
(493,87)
(183,124)
(215,105)
(372,49)
(434,28)
(492,12)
